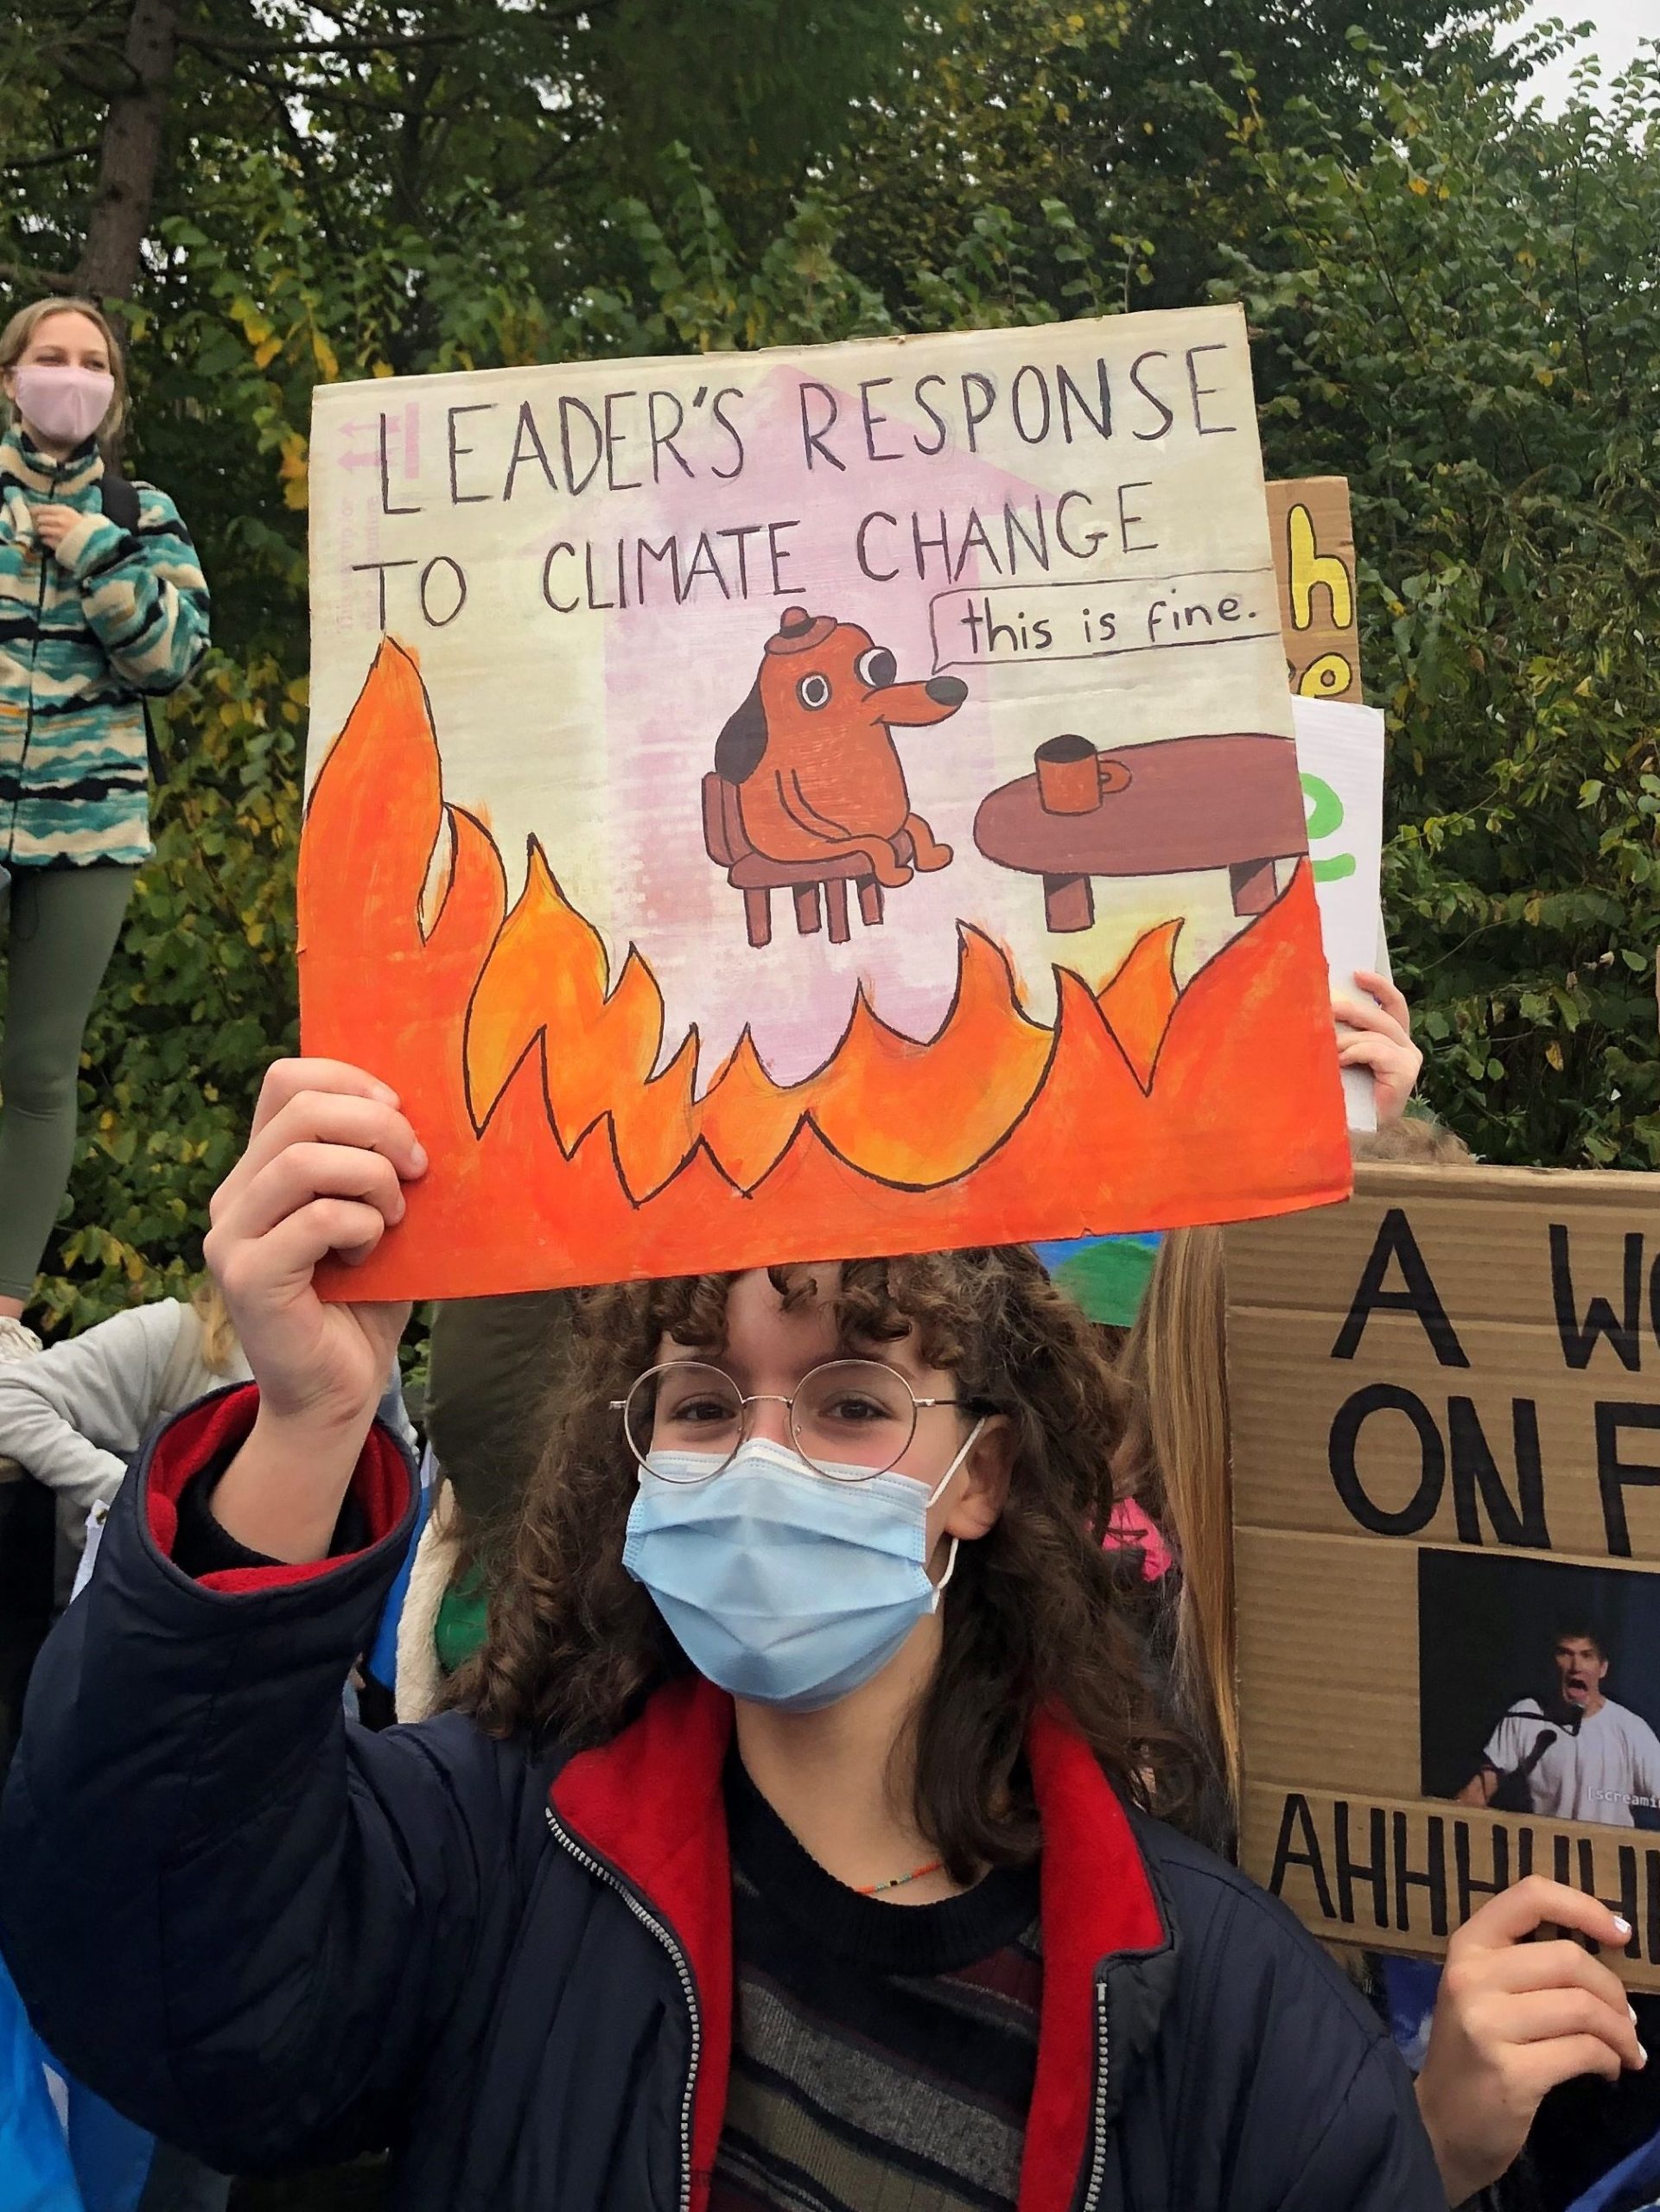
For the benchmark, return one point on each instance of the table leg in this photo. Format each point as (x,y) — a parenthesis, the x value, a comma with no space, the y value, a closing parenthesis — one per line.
(1252,885)
(757,917)
(835,905)
(870,900)
(1068,903)
(806,907)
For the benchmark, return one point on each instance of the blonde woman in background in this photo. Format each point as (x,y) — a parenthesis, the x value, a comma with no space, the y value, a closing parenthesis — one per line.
(75,1415)
(102,607)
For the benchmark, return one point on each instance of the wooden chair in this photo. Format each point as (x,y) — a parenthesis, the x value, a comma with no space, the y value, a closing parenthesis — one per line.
(758,878)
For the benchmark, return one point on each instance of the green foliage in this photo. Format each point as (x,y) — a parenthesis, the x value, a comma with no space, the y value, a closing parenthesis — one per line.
(198,998)
(1109,111)
(1466,322)
(1455,303)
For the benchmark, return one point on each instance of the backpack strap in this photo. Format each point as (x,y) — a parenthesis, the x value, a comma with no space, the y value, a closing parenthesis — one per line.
(119,498)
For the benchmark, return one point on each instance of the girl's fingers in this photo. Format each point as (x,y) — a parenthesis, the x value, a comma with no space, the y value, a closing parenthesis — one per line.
(1363,1014)
(1570,2015)
(286,1079)
(328,1118)
(284,1262)
(1366,1051)
(1561,1965)
(301,1172)
(1379,986)
(1541,2067)
(1538,1902)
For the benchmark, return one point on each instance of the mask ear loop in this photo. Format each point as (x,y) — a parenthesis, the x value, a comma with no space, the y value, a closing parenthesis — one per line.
(944,1483)
(938,1492)
(950,1569)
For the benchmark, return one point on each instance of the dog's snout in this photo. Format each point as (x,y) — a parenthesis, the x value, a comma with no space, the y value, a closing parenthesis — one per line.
(946,690)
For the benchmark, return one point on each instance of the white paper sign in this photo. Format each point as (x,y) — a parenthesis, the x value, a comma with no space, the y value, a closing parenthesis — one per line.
(1340,755)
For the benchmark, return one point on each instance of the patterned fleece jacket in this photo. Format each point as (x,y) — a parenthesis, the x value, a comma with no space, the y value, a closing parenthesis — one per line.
(87,633)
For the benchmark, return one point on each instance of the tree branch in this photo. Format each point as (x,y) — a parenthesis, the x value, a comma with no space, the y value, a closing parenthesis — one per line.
(40,280)
(47,160)
(268,49)
(231,42)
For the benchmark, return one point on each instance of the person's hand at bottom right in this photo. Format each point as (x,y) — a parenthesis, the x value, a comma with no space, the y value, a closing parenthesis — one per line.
(1512,2019)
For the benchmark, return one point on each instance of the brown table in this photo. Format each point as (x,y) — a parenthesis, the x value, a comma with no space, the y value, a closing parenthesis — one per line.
(1185,803)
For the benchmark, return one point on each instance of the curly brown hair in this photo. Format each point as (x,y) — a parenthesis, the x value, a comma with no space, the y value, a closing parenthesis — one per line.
(575,1645)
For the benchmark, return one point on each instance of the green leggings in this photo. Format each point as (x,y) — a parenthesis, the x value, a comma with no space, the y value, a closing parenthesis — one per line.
(63,926)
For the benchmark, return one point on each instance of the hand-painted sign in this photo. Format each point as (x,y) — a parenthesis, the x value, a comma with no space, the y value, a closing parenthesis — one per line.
(839,800)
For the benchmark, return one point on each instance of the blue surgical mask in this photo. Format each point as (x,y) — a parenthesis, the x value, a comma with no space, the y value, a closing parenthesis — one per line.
(782,1585)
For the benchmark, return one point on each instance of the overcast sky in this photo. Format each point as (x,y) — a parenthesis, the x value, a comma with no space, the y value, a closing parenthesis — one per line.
(1619,24)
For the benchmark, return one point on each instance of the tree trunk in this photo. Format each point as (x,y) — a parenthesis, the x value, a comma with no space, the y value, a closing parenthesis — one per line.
(131,154)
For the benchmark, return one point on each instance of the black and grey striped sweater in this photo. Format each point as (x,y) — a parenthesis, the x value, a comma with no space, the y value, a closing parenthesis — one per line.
(883,2054)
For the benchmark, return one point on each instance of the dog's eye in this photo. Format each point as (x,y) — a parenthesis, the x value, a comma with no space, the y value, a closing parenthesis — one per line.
(813,690)
(876,669)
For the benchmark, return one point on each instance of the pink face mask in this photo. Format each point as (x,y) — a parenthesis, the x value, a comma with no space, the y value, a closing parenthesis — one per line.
(65,405)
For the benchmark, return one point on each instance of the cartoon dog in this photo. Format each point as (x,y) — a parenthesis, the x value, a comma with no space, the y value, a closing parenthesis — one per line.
(811,751)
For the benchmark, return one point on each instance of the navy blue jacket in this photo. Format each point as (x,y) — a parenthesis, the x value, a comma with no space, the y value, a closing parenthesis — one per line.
(273,1937)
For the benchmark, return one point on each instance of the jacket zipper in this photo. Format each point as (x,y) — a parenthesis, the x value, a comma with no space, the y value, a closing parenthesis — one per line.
(34,656)
(1098,2136)
(677,1959)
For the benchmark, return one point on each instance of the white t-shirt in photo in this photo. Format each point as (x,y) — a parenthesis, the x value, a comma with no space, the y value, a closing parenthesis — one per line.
(1612,1764)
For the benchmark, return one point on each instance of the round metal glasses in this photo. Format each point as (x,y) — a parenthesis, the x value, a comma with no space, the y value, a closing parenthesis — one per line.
(850,1419)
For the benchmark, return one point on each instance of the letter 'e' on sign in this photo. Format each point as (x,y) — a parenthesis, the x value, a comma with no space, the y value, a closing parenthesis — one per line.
(1445,1402)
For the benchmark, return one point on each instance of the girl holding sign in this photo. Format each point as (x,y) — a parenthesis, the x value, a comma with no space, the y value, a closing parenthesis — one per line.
(792,1850)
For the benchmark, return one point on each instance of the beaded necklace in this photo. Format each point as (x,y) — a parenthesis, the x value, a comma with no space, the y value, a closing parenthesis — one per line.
(876,1888)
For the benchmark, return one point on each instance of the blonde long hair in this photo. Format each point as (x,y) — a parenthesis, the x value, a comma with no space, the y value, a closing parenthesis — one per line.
(1174,1457)
(22,325)
(219,1347)
(1174,1461)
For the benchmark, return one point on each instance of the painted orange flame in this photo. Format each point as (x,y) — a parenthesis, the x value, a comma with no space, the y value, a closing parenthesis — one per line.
(559,1156)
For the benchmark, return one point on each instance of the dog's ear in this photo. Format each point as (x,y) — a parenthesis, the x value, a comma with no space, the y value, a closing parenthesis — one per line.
(739,747)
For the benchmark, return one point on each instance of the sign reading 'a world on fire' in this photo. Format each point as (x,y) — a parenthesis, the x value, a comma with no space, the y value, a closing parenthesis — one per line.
(1445,1402)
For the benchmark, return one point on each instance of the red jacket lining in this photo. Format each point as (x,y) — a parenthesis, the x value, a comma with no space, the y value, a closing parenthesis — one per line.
(649,1803)
(215,1430)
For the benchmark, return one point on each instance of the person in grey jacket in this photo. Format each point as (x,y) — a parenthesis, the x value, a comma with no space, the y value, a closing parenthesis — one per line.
(75,1415)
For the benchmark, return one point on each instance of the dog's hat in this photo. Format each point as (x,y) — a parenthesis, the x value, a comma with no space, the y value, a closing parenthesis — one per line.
(798,632)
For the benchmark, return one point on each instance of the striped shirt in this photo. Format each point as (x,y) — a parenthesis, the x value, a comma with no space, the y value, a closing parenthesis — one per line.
(87,633)
(883,2054)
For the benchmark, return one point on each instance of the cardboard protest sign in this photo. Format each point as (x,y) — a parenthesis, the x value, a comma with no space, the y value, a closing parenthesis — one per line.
(824,801)
(1444,1403)
(1314,562)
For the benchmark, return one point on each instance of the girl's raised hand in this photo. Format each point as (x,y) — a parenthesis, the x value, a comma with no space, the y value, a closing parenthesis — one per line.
(1375,1032)
(323,1173)
(1512,2019)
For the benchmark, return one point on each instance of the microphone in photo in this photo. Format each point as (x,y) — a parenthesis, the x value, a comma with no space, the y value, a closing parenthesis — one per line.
(1510,1793)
